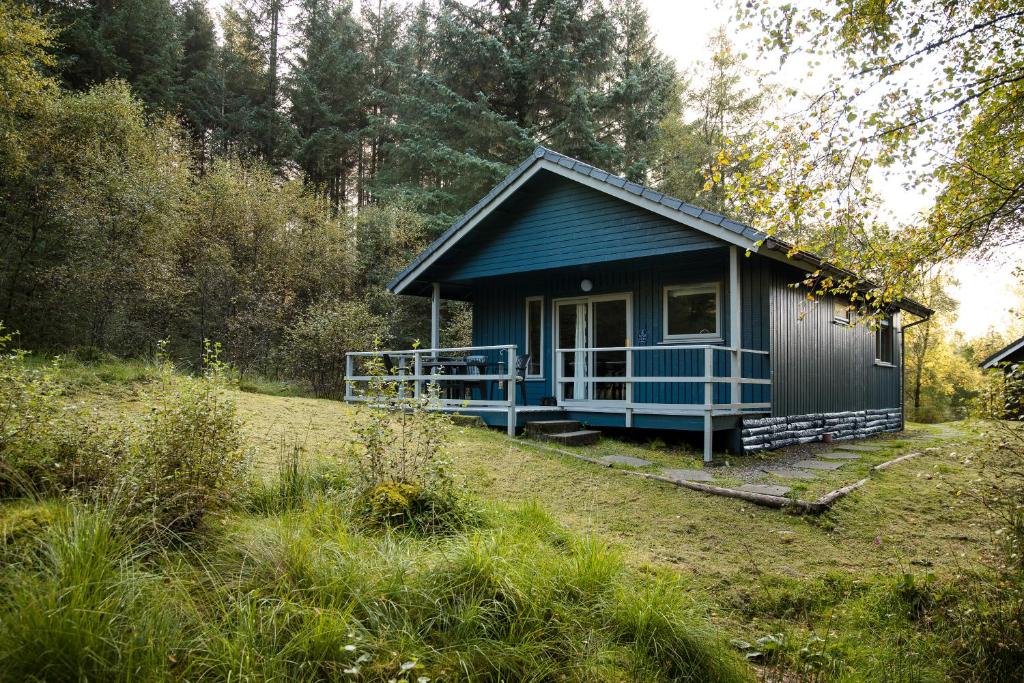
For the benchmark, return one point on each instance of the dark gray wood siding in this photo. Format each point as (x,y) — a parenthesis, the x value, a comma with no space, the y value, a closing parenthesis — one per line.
(819,366)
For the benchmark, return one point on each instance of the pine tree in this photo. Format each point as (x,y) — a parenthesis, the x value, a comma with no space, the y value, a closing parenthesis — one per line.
(645,82)
(136,40)
(431,147)
(540,63)
(253,124)
(328,94)
(200,88)
(718,111)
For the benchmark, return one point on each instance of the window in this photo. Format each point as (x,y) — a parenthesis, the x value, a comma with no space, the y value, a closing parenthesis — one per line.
(842,312)
(884,342)
(535,336)
(691,312)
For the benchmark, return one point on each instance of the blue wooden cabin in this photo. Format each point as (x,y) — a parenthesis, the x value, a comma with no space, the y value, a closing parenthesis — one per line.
(609,303)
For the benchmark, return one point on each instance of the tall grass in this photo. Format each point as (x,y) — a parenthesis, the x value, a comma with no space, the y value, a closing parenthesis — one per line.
(303,595)
(516,599)
(173,564)
(81,606)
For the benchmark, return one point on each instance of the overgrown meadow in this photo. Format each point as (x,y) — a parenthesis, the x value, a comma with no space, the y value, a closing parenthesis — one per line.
(152,549)
(156,546)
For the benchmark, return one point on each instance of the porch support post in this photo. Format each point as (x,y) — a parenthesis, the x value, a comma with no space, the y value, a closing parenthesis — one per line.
(510,392)
(349,371)
(709,400)
(435,316)
(735,327)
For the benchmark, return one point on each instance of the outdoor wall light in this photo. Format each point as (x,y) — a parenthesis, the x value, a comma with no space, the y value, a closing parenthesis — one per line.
(586,285)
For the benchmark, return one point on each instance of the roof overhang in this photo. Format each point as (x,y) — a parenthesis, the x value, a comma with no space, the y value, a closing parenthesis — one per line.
(782,251)
(728,231)
(656,202)
(1001,355)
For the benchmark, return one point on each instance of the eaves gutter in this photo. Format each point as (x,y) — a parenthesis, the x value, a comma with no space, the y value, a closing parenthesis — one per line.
(817,263)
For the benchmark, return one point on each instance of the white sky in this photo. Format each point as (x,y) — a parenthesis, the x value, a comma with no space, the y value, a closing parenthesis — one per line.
(683,28)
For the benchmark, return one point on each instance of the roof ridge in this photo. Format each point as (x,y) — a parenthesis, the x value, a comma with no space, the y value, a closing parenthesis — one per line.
(647,191)
(582,168)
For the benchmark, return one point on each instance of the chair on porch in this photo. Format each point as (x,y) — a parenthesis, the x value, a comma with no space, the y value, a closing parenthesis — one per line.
(389,365)
(477,365)
(522,363)
(391,370)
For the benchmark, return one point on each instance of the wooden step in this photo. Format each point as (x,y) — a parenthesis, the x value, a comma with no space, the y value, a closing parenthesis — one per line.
(540,427)
(582,437)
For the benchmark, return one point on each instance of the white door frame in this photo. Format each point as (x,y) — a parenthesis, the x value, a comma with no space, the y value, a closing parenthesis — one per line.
(585,369)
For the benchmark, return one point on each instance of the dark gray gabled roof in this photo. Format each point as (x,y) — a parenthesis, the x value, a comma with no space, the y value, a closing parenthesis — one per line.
(709,222)
(687,212)
(1002,354)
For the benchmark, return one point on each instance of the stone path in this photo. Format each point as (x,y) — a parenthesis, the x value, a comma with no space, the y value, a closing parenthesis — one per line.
(785,468)
(817,465)
(839,455)
(687,475)
(625,460)
(790,473)
(807,469)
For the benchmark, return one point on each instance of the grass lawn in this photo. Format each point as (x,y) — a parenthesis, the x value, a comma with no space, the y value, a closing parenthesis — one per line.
(918,513)
(786,579)
(910,512)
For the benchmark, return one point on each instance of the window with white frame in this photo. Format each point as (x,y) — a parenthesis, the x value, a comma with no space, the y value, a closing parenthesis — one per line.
(535,336)
(692,312)
(885,342)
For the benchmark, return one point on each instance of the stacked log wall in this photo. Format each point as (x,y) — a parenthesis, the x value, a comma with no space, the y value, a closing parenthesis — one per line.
(767,433)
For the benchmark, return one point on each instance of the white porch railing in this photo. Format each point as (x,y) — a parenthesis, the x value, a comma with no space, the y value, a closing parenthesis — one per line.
(414,369)
(408,372)
(584,362)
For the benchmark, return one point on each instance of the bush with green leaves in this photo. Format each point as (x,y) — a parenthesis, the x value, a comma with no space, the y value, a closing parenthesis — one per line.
(185,458)
(403,477)
(985,622)
(315,346)
(189,456)
(29,409)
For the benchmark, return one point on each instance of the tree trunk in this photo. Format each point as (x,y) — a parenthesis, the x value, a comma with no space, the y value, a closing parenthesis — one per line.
(275,15)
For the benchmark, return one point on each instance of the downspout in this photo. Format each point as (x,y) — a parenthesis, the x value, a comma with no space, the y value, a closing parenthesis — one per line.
(903,366)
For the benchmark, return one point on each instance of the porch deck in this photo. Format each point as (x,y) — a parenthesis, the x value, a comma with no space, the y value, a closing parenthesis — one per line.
(705,393)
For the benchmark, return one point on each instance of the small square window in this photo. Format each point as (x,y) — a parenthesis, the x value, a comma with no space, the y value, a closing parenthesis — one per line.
(842,312)
(691,312)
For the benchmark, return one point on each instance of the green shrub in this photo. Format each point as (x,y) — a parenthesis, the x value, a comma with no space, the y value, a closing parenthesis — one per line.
(29,411)
(314,347)
(402,472)
(189,457)
(984,612)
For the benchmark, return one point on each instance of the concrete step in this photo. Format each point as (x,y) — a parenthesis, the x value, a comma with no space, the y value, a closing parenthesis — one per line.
(538,427)
(582,437)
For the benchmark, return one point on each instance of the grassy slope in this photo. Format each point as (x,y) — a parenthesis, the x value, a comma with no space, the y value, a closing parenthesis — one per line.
(767,571)
(909,513)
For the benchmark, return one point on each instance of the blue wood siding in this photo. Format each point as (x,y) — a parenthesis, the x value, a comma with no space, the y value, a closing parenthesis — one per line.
(553,222)
(499,318)
(820,366)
